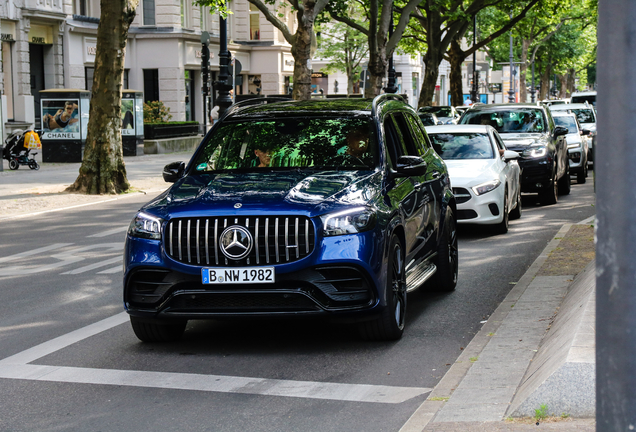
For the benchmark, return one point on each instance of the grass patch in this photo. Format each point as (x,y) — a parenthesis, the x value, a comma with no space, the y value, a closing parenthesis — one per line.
(438,398)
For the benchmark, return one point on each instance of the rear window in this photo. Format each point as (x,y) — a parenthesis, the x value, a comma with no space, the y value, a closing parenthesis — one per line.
(522,120)
(290,143)
(442,111)
(462,145)
(584,115)
(567,122)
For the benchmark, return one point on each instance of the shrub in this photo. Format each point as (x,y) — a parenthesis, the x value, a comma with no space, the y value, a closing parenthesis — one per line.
(156,112)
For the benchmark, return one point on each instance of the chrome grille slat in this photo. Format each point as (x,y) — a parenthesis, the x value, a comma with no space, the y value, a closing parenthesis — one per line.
(287,239)
(184,235)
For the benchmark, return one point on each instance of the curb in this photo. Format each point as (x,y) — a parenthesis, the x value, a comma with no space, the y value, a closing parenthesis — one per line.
(451,380)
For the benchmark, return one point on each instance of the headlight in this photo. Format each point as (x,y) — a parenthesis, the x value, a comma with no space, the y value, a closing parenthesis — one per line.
(536,152)
(486,187)
(348,222)
(145,226)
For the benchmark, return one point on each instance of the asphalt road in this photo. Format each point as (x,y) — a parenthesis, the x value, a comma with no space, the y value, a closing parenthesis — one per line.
(226,376)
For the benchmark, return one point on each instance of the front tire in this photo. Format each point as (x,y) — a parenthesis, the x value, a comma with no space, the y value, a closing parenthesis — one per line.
(13,164)
(447,259)
(154,331)
(581,177)
(502,227)
(565,183)
(390,324)
(516,212)
(550,195)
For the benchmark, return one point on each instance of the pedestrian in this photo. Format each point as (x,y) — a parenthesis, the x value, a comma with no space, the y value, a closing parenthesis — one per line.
(214,114)
(468,102)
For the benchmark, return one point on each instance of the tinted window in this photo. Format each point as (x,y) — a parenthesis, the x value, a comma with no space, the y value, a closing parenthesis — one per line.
(582,99)
(442,111)
(405,132)
(344,143)
(566,122)
(427,119)
(462,145)
(522,120)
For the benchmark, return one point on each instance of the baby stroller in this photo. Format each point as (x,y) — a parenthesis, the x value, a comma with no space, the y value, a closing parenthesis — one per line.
(17,153)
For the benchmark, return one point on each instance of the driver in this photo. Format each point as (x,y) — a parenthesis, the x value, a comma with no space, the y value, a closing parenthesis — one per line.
(357,143)
(264,157)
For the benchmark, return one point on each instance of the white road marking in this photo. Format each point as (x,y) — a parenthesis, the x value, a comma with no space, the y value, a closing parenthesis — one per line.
(95,265)
(110,232)
(65,258)
(17,367)
(111,270)
(34,252)
(215,383)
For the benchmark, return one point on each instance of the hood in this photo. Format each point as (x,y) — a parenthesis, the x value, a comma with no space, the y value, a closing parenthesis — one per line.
(471,172)
(310,192)
(520,141)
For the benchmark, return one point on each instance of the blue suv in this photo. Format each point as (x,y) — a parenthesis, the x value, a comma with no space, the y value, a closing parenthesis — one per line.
(333,208)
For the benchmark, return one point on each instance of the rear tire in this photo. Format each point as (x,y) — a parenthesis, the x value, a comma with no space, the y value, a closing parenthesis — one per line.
(550,195)
(390,324)
(447,259)
(516,212)
(154,331)
(502,227)
(565,183)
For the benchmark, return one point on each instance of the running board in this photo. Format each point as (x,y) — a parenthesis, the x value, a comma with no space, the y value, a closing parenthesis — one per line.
(416,277)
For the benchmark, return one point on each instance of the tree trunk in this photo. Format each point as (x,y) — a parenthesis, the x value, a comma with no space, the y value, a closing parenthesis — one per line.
(523,68)
(571,81)
(456,56)
(563,81)
(545,82)
(103,169)
(378,65)
(432,60)
(301,50)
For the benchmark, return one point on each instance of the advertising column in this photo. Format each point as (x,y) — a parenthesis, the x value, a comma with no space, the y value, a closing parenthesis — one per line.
(64,115)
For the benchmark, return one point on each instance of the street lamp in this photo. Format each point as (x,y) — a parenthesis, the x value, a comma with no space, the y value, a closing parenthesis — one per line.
(391,87)
(224,100)
(475,90)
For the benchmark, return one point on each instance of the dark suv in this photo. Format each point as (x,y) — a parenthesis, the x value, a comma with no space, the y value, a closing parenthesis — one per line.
(332,208)
(530,131)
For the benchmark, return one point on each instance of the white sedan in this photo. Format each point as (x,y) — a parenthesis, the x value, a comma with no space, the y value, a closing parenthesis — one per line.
(484,175)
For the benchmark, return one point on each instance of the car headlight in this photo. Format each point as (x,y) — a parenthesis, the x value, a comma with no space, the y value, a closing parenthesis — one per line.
(486,187)
(536,152)
(145,226)
(348,222)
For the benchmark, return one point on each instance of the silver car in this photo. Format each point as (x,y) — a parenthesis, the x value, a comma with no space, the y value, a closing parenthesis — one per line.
(577,144)
(586,115)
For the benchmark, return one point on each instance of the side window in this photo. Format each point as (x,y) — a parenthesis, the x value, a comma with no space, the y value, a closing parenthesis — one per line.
(392,139)
(421,142)
(499,142)
(405,131)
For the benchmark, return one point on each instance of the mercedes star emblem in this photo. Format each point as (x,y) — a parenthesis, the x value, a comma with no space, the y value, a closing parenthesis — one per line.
(236,242)
(238,205)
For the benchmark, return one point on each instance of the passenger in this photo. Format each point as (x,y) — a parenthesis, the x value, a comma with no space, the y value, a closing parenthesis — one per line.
(357,143)
(264,157)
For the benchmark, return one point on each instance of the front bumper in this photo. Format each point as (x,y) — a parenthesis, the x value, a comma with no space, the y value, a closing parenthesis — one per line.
(577,160)
(336,280)
(479,209)
(536,174)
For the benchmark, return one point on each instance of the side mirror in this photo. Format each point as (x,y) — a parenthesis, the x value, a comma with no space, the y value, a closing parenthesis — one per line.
(510,155)
(586,132)
(173,171)
(560,131)
(411,166)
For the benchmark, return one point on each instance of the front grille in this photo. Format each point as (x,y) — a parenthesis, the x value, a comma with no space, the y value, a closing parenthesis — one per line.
(277,239)
(461,195)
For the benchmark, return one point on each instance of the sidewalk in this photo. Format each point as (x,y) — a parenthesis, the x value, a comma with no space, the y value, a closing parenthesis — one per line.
(537,349)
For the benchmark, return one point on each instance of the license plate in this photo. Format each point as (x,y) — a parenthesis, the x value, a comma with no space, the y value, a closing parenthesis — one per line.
(238,275)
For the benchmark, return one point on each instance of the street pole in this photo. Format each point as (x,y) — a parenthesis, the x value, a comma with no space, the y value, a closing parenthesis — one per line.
(475,88)
(224,100)
(532,89)
(205,74)
(391,86)
(616,211)
(511,92)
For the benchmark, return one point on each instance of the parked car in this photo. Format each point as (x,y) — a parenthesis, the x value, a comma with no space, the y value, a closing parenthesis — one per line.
(332,207)
(551,102)
(485,176)
(577,144)
(428,119)
(586,115)
(530,130)
(445,114)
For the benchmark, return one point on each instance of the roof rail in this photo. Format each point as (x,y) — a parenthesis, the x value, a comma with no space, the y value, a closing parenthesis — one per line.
(253,101)
(380,98)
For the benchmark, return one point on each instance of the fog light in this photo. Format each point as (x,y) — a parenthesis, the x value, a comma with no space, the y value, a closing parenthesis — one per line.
(539,185)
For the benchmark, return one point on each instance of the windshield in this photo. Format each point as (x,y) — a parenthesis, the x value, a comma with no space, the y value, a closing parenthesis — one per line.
(526,120)
(582,99)
(284,143)
(428,119)
(584,115)
(567,122)
(462,145)
(439,111)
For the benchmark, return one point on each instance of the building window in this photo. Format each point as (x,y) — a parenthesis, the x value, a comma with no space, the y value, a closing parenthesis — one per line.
(148,12)
(189,91)
(126,77)
(186,13)
(416,83)
(89,74)
(255,32)
(151,85)
(8,78)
